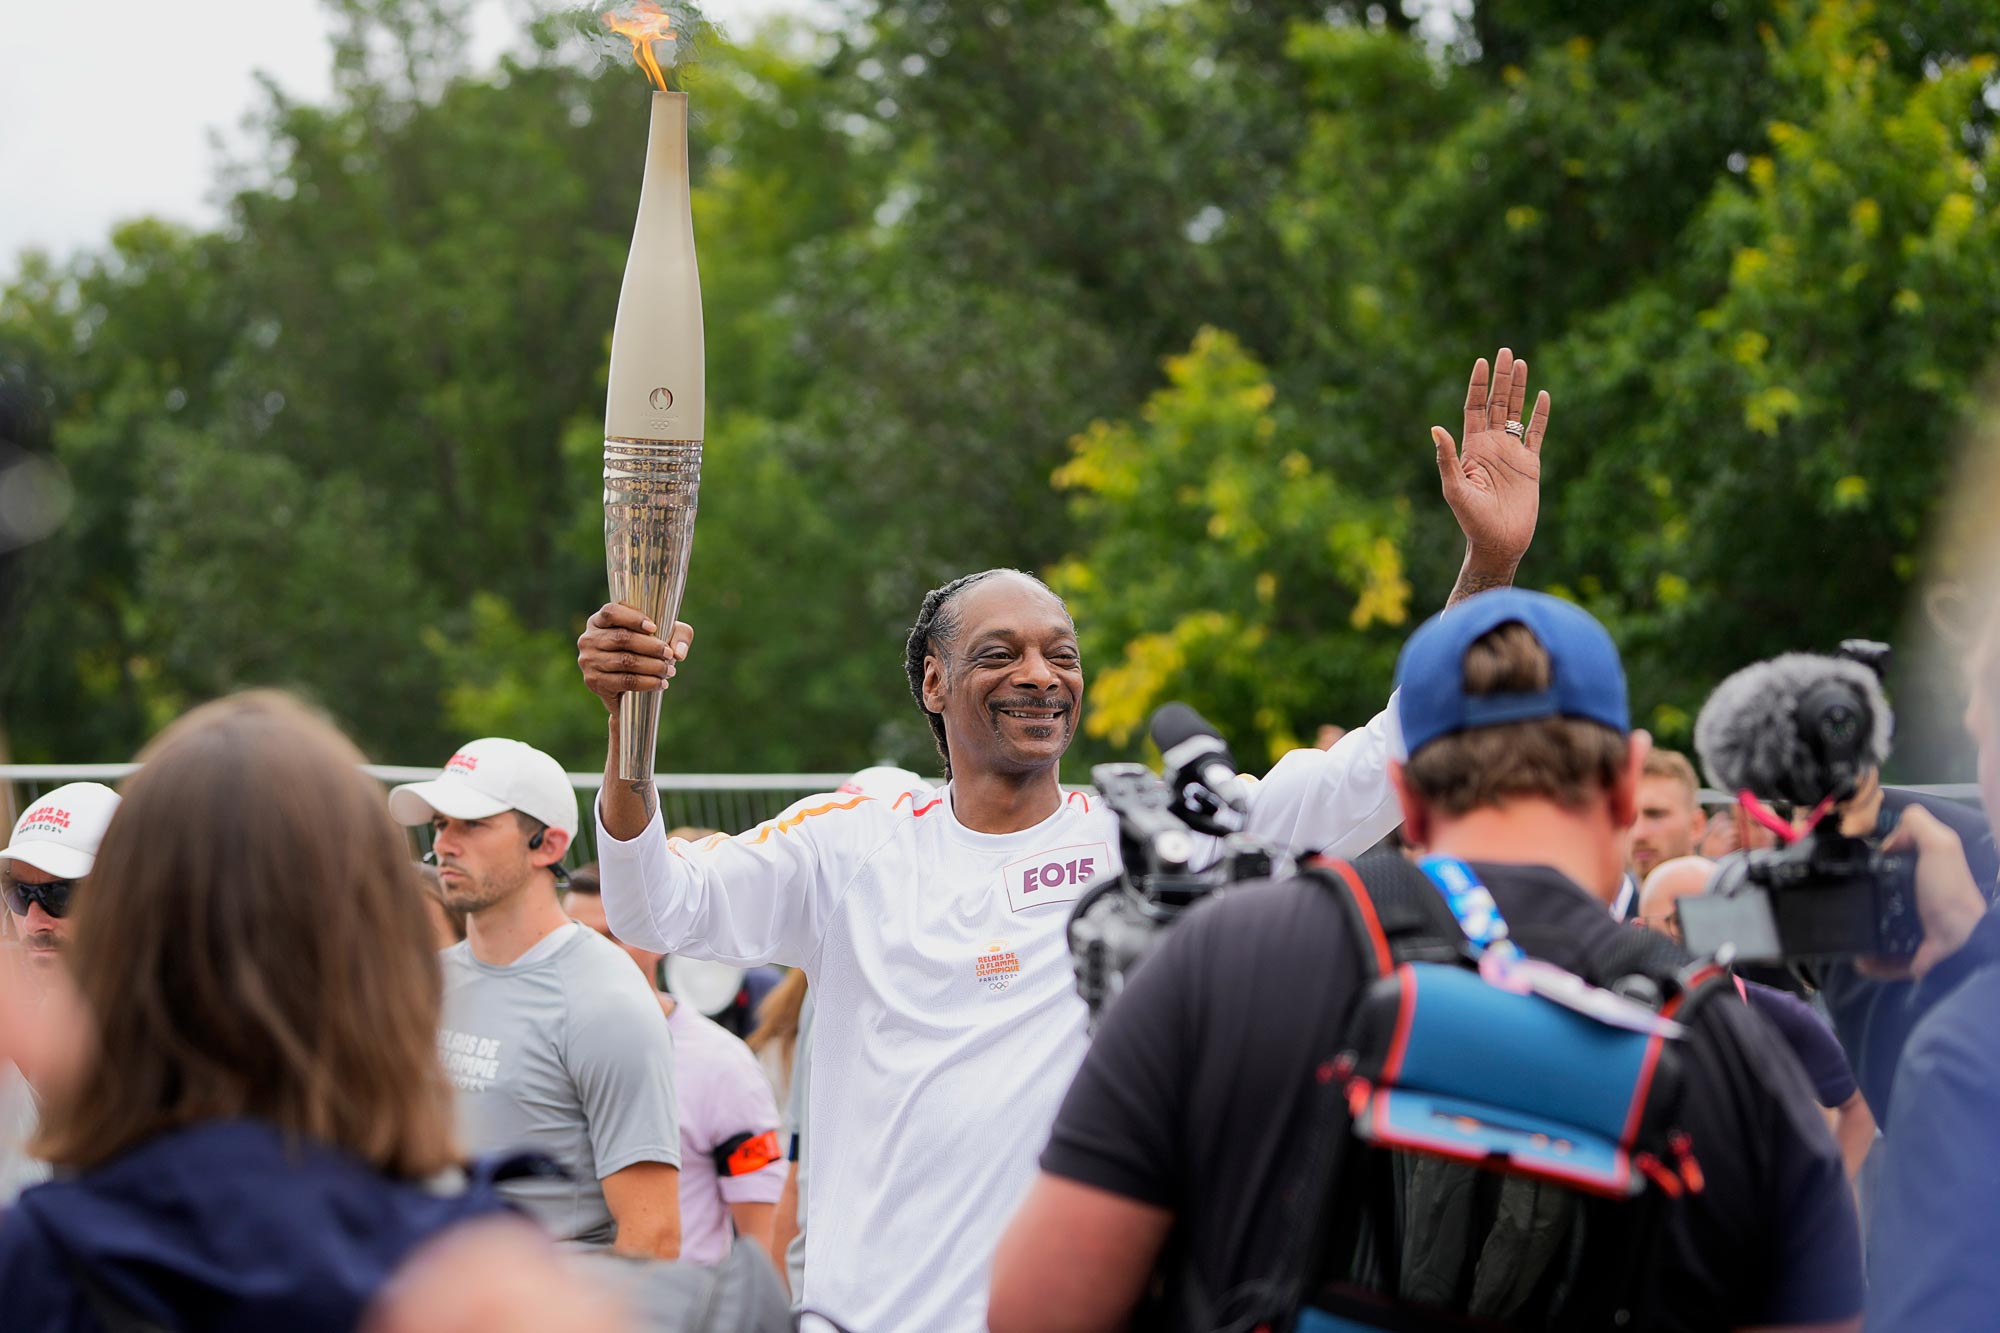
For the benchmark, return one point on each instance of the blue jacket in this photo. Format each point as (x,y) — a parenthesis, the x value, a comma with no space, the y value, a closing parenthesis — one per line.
(1937,1206)
(220,1226)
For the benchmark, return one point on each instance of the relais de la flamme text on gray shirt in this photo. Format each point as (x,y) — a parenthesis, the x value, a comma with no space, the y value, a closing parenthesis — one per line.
(563,1052)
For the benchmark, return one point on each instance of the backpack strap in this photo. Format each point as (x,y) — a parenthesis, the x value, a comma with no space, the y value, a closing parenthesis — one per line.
(1397,914)
(1638,952)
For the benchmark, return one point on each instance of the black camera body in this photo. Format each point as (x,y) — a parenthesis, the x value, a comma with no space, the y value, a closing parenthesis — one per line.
(1120,917)
(1825,896)
(1807,732)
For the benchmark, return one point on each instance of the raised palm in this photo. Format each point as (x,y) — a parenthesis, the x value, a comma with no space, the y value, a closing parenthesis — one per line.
(1493,483)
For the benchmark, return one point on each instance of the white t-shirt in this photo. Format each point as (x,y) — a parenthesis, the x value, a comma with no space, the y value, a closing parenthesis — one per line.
(723,1097)
(949,1024)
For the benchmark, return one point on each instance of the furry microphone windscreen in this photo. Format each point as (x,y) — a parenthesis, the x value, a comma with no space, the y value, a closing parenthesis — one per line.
(1748,733)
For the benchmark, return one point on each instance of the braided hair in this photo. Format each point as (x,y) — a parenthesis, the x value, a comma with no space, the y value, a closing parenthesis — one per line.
(937,625)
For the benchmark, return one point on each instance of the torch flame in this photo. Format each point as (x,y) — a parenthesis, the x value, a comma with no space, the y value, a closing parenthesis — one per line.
(643,24)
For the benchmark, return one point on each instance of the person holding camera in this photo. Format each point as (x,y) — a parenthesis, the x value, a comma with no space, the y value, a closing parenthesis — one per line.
(1937,1203)
(1173,1192)
(1811,732)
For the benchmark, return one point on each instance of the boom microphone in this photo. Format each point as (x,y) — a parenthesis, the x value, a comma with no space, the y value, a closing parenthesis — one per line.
(1799,727)
(1194,752)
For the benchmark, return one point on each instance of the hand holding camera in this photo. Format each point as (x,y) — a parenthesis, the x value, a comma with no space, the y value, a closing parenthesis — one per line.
(1811,732)
(1949,904)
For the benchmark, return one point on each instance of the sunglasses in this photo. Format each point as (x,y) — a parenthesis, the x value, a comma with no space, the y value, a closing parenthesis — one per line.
(52,896)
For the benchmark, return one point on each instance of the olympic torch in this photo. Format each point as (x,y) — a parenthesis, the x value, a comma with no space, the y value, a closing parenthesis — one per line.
(653,408)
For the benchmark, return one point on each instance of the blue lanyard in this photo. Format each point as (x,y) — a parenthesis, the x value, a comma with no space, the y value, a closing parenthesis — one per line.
(1478,915)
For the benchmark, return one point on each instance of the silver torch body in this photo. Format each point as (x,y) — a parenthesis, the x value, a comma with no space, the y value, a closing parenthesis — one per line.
(653,414)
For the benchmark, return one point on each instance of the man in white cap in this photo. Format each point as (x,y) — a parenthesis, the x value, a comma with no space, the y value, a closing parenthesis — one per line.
(553,1040)
(52,850)
(50,854)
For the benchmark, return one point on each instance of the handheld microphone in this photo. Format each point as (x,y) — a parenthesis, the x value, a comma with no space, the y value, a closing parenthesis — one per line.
(1194,753)
(1798,728)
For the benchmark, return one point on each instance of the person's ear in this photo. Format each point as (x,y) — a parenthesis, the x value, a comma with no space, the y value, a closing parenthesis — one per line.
(1625,788)
(1416,819)
(554,843)
(933,684)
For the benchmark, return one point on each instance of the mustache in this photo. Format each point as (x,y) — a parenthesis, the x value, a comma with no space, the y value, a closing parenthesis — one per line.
(42,939)
(1062,704)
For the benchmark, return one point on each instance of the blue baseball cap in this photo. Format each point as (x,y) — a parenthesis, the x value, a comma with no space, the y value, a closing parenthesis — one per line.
(1586,680)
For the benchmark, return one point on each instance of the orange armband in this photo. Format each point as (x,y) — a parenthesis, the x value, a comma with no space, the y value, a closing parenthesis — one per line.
(745,1153)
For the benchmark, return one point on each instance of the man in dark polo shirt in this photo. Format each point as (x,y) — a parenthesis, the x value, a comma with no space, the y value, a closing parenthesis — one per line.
(1170,1187)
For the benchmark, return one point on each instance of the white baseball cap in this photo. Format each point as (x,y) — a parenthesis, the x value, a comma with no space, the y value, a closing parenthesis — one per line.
(60,833)
(884,782)
(708,988)
(489,777)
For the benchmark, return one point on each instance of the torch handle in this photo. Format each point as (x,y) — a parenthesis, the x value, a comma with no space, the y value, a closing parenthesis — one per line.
(651,489)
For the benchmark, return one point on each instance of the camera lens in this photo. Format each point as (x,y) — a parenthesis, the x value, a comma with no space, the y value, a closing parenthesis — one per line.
(1839,725)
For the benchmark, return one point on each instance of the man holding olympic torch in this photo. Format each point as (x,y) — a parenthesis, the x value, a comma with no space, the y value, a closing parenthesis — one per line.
(933,927)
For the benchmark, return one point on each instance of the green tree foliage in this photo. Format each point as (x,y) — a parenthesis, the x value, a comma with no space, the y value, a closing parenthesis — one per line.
(1225,565)
(336,444)
(129,344)
(1749,249)
(1804,372)
(1156,297)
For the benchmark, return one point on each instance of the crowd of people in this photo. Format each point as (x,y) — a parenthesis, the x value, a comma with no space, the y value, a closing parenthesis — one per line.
(262,1070)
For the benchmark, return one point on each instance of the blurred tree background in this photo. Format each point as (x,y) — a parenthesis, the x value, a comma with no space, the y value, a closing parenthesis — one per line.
(1157,298)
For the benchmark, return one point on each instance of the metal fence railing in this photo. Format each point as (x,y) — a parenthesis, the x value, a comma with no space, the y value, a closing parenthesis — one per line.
(1966,793)
(730,802)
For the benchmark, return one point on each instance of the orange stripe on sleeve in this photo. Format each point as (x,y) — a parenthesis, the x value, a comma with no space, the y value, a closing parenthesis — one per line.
(787,825)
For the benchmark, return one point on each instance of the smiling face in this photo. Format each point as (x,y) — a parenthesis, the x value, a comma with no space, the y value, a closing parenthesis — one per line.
(1009,681)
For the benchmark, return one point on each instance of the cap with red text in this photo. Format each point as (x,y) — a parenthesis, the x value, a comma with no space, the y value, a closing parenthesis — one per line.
(489,777)
(60,833)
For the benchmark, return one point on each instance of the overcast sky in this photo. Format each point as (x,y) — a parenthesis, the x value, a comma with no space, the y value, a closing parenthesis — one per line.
(96,130)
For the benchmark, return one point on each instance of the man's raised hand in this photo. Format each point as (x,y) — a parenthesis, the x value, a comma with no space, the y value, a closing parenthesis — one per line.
(620,651)
(1493,483)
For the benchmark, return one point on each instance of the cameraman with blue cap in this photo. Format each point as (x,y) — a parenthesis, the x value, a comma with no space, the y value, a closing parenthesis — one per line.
(1174,1191)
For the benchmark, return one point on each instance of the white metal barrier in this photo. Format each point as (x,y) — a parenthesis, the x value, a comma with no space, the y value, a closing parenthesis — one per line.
(730,802)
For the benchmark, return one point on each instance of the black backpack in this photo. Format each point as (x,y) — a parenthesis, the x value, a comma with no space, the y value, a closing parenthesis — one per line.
(1443,1193)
